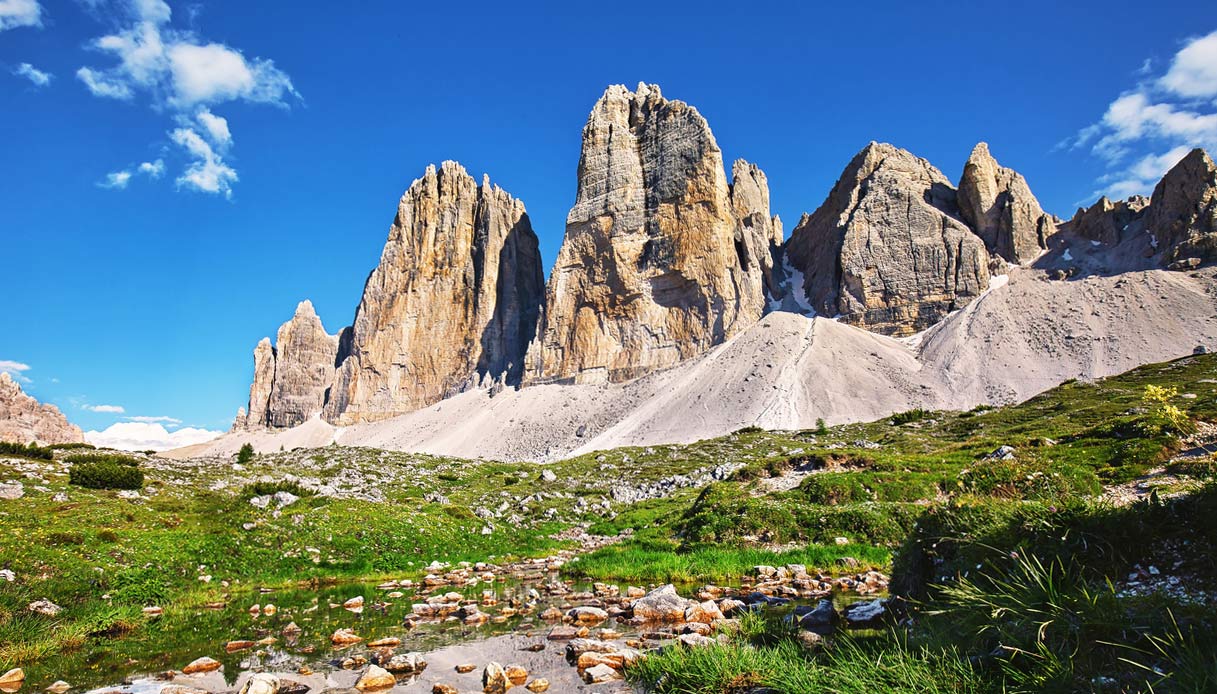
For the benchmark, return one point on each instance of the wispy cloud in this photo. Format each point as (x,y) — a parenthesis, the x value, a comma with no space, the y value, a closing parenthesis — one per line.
(105,409)
(33,74)
(20,13)
(1149,128)
(15,369)
(119,180)
(154,420)
(185,75)
(115,180)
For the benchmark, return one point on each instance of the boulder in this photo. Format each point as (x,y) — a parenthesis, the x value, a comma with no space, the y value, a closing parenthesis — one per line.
(201,665)
(375,678)
(663,604)
(261,683)
(494,679)
(887,250)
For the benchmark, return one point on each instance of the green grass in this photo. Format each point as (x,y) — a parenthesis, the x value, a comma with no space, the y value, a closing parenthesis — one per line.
(923,485)
(664,562)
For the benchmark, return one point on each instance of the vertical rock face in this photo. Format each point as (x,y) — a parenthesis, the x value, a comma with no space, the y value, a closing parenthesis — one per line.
(25,420)
(1105,221)
(887,250)
(304,368)
(256,415)
(292,378)
(650,272)
(758,236)
(1182,213)
(997,203)
(454,300)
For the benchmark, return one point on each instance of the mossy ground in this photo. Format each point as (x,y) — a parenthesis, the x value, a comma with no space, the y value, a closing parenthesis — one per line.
(883,486)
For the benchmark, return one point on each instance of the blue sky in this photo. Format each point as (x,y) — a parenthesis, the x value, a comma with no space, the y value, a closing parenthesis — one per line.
(174,178)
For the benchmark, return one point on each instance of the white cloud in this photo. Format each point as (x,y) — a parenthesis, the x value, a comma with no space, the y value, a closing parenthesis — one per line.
(154,420)
(185,75)
(207,173)
(1193,72)
(103,86)
(154,169)
(33,74)
(13,367)
(20,13)
(1148,129)
(143,436)
(216,128)
(105,409)
(116,180)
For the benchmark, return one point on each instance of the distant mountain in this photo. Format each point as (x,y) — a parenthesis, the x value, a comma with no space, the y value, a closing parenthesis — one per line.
(664,260)
(25,420)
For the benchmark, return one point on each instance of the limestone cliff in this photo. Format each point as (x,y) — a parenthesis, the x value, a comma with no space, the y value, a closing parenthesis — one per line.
(1182,213)
(453,302)
(997,203)
(655,266)
(887,250)
(291,379)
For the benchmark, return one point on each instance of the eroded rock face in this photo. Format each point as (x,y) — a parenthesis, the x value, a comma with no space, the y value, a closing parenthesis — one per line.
(292,378)
(1106,221)
(650,272)
(758,236)
(887,250)
(25,420)
(304,368)
(1182,213)
(997,203)
(256,414)
(454,300)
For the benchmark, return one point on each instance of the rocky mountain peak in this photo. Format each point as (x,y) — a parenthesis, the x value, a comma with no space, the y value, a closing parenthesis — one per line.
(887,249)
(24,420)
(1182,213)
(1000,208)
(649,272)
(292,378)
(454,300)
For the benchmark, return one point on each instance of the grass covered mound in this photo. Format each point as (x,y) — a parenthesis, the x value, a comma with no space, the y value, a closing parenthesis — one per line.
(1023,598)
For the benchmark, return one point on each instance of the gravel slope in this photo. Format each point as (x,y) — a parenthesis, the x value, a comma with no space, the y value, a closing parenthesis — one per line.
(788,370)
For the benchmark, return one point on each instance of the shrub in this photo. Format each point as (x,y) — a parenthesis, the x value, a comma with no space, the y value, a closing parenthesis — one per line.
(21,451)
(821,428)
(914,415)
(71,446)
(103,458)
(249,491)
(246,454)
(105,475)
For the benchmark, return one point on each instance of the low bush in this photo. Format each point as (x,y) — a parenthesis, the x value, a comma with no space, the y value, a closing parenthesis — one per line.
(103,458)
(77,445)
(106,475)
(246,454)
(909,416)
(22,451)
(249,491)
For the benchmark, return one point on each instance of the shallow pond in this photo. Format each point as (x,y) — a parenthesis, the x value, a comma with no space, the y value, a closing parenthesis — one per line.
(136,662)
